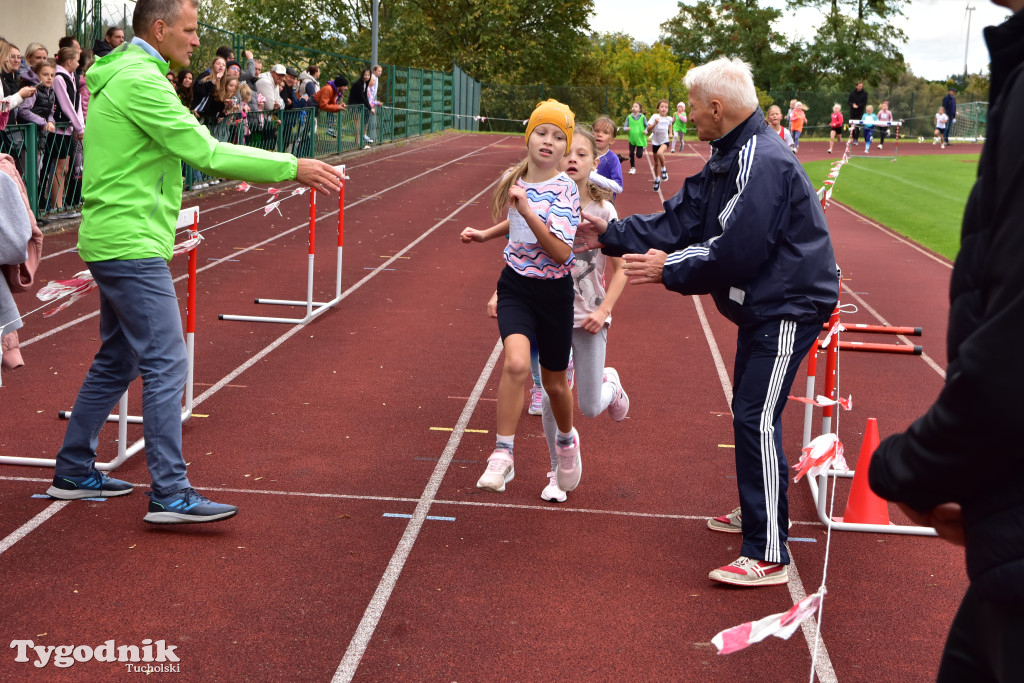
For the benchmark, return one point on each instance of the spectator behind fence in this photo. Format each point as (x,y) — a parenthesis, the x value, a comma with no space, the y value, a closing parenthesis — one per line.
(184,89)
(205,88)
(269,85)
(10,67)
(291,77)
(233,68)
(253,68)
(68,41)
(34,53)
(329,97)
(308,86)
(18,270)
(38,108)
(360,95)
(69,113)
(114,37)
(371,92)
(87,59)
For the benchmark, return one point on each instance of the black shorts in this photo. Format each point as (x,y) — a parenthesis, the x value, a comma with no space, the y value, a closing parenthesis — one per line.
(59,146)
(538,309)
(655,148)
(838,130)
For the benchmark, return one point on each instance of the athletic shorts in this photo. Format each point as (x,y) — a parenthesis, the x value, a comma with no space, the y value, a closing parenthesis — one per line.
(656,147)
(540,310)
(837,129)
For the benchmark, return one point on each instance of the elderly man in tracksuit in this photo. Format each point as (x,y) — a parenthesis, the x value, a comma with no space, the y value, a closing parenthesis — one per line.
(749,230)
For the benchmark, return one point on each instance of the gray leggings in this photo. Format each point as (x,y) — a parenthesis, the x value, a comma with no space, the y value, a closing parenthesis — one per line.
(588,351)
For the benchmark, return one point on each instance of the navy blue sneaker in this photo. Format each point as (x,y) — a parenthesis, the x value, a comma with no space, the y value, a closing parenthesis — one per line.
(93,485)
(186,507)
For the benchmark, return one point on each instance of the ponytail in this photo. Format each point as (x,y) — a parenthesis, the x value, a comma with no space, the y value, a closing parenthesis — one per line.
(499,203)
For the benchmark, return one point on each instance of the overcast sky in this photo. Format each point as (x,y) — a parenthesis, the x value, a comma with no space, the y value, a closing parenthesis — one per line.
(936,29)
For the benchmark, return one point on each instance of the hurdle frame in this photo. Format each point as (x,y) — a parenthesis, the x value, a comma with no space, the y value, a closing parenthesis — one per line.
(313,308)
(186,218)
(896,123)
(818,483)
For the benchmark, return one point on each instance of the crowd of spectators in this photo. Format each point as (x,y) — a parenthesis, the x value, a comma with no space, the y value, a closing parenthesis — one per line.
(237,100)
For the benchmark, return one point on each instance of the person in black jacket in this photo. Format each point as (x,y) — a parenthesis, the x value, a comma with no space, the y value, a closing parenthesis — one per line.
(949,104)
(360,94)
(749,230)
(960,467)
(114,37)
(857,100)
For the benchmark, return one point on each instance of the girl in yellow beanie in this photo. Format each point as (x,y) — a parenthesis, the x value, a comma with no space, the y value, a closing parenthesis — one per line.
(535,290)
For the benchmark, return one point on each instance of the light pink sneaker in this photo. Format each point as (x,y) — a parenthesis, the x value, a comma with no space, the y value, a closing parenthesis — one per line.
(570,463)
(536,401)
(551,492)
(500,471)
(745,571)
(619,407)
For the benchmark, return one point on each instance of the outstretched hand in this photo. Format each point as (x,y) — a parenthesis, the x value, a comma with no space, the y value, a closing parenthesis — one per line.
(642,269)
(588,233)
(318,175)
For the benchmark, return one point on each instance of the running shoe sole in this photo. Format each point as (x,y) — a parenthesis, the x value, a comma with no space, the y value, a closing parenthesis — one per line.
(167,517)
(78,494)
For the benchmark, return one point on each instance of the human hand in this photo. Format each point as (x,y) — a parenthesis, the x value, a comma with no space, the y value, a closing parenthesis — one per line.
(492,306)
(318,175)
(646,268)
(50,127)
(79,136)
(471,235)
(594,321)
(27,92)
(947,520)
(248,54)
(517,199)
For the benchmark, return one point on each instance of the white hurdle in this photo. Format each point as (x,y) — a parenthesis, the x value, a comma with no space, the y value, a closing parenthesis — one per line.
(313,308)
(186,218)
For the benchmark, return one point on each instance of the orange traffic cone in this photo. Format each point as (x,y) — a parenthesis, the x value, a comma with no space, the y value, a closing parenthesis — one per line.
(863,506)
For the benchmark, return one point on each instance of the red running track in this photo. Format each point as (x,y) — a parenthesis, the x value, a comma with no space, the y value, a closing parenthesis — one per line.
(384,406)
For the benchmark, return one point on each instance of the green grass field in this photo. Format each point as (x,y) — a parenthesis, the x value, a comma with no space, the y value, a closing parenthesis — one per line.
(920,197)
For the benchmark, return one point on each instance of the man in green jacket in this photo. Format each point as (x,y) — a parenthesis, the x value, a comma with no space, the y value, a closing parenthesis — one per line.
(136,136)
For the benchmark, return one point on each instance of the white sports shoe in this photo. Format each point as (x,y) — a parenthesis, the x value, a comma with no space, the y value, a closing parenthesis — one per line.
(551,492)
(619,407)
(632,171)
(500,471)
(570,463)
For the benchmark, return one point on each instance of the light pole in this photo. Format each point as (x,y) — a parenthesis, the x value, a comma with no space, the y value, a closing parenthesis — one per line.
(373,33)
(967,42)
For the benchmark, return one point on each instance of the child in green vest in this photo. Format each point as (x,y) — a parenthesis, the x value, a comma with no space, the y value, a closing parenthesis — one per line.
(636,126)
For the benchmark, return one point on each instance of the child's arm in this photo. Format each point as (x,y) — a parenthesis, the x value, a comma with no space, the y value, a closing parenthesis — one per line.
(492,305)
(616,283)
(473,235)
(558,250)
(606,183)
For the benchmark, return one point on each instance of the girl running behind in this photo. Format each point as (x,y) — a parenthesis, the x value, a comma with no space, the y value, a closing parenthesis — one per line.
(598,387)
(660,127)
(636,125)
(678,127)
(535,291)
(835,126)
(608,164)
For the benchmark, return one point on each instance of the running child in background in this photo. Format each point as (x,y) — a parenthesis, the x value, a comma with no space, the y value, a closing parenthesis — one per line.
(836,126)
(608,165)
(598,387)
(773,117)
(868,121)
(797,119)
(678,127)
(941,120)
(636,126)
(660,128)
(535,290)
(884,121)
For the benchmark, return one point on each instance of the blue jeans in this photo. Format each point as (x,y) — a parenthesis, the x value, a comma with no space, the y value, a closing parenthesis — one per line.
(767,358)
(140,334)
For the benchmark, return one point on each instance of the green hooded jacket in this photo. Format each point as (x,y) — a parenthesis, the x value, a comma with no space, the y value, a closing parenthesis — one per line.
(136,136)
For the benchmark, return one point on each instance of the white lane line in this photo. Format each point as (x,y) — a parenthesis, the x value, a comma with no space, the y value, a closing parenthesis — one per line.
(368,624)
(26,528)
(301,226)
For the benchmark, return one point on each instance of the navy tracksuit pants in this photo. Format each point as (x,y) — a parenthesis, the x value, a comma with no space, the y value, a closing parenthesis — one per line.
(767,357)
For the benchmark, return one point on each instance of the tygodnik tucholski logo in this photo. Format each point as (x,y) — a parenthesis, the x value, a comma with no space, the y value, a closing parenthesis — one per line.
(152,657)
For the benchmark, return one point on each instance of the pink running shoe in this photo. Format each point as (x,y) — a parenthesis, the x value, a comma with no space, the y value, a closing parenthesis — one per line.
(536,401)
(570,463)
(619,407)
(551,492)
(500,471)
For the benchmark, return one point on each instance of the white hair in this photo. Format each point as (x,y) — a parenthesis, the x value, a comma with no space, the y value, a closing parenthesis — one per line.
(726,80)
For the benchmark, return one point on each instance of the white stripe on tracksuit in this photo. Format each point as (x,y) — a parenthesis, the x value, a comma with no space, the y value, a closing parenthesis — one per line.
(746,158)
(769,455)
